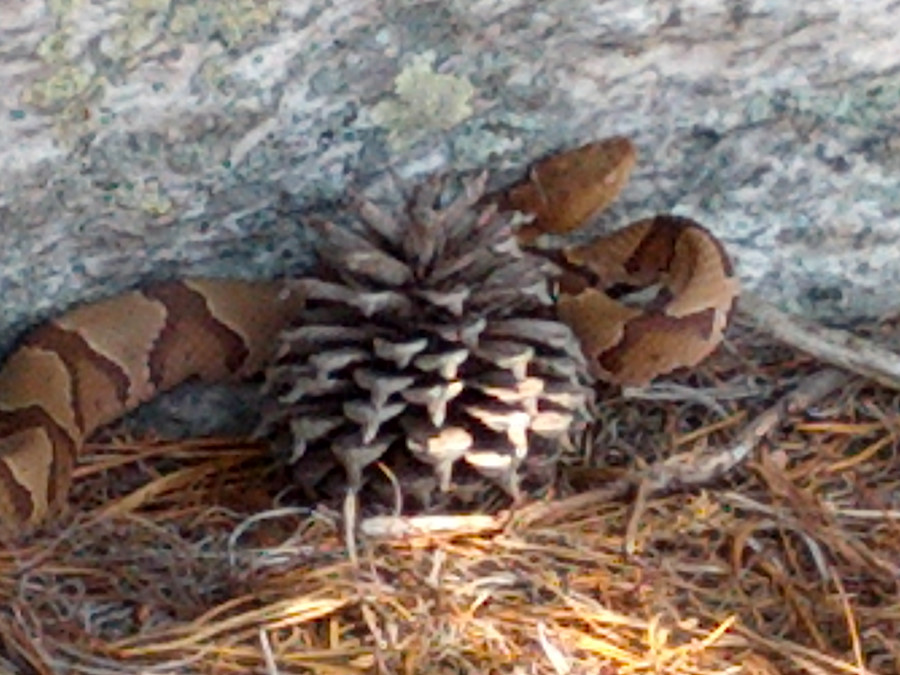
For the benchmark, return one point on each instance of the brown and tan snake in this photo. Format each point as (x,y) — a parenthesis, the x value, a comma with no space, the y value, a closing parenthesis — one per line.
(88,367)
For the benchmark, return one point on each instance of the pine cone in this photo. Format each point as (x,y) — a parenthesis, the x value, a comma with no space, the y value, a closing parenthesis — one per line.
(428,333)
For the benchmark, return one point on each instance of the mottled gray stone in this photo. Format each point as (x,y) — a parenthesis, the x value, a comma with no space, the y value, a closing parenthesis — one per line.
(153,138)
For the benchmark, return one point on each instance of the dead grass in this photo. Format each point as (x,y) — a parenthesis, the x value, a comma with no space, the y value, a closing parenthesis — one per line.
(179,559)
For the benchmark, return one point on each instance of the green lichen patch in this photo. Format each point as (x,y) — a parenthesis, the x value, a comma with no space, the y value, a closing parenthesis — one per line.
(64,84)
(231,21)
(424,101)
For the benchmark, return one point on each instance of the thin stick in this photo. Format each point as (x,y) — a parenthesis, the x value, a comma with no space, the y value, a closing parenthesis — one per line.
(690,469)
(836,347)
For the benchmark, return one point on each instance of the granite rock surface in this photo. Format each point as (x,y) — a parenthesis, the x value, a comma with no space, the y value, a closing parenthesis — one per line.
(145,139)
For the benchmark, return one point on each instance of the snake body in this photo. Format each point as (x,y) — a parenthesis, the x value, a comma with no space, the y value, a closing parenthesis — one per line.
(627,343)
(88,367)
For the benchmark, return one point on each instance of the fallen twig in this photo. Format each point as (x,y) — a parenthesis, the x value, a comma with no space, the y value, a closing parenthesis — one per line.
(402,527)
(691,469)
(836,347)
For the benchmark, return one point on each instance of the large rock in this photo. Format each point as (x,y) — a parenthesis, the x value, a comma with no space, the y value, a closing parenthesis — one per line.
(152,138)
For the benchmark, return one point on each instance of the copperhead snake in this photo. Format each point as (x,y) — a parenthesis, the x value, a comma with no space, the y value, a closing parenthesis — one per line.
(88,367)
